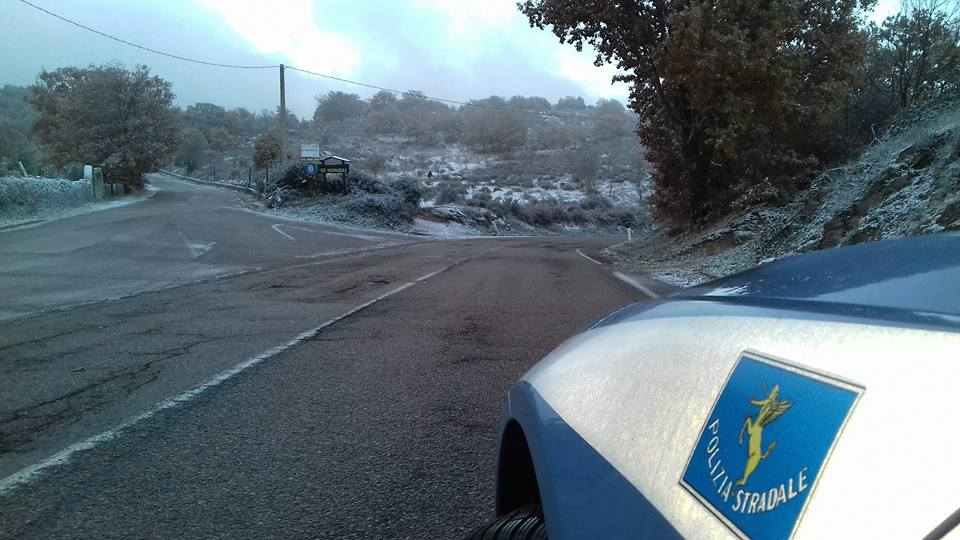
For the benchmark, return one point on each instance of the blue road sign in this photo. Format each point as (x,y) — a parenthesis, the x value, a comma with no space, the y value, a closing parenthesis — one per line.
(310,169)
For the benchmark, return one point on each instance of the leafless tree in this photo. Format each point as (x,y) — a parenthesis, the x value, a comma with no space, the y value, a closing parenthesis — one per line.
(920,48)
(375,164)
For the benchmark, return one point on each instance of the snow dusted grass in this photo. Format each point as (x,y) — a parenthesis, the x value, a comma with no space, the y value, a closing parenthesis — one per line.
(329,210)
(24,200)
(447,230)
(562,189)
(904,185)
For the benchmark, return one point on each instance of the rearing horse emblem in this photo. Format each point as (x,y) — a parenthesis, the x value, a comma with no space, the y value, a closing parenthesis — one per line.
(770,409)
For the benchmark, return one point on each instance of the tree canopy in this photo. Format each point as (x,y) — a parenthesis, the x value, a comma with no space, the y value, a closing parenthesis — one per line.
(336,106)
(730,94)
(267,150)
(918,52)
(122,120)
(16,119)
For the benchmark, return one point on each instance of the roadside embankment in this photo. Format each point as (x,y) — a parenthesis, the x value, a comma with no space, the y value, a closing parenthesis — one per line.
(905,184)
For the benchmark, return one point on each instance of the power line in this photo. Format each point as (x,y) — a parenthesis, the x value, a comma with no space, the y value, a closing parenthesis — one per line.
(441,100)
(148,49)
(375,87)
(322,75)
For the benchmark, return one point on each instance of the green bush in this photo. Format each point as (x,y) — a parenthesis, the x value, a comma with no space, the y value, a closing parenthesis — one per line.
(450,192)
(409,189)
(358,181)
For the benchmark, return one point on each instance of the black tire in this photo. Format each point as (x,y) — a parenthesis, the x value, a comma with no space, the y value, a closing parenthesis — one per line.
(524,523)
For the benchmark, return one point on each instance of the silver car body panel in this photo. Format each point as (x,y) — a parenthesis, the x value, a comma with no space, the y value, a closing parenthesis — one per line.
(640,391)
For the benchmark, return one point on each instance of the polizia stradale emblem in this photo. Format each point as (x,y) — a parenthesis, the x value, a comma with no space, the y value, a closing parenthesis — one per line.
(765,444)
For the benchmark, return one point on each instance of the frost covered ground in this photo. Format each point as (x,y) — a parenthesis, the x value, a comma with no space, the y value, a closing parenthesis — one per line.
(25,200)
(906,184)
(328,211)
(539,181)
(441,221)
(445,230)
(562,189)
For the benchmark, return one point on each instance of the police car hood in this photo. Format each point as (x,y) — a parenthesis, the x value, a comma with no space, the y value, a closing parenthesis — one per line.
(875,326)
(909,281)
(920,274)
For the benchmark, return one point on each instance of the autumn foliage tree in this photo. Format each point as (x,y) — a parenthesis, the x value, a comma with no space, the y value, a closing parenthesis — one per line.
(267,151)
(122,120)
(731,94)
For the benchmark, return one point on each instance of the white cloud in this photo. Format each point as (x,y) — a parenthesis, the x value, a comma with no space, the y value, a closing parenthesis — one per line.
(459,37)
(290,32)
(578,67)
(496,23)
(469,18)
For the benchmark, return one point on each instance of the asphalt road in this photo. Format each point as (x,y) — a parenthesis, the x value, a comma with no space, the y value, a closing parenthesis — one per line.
(325,382)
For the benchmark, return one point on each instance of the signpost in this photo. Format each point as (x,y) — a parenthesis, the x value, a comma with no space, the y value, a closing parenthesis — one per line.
(334,165)
(309,152)
(313,164)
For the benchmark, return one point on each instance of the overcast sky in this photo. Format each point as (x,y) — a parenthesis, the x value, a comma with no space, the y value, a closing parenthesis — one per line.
(455,49)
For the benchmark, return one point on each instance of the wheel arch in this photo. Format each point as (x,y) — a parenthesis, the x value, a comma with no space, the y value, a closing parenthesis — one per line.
(516,474)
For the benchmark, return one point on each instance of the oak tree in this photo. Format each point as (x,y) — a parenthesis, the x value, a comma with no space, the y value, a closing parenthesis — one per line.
(121,120)
(730,94)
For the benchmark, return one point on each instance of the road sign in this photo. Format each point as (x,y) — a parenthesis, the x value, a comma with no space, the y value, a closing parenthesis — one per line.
(309,151)
(310,169)
(334,165)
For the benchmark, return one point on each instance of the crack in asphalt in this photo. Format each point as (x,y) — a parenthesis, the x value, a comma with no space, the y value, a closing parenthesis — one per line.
(22,426)
(44,338)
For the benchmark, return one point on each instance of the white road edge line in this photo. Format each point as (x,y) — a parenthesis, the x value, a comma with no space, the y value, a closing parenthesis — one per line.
(636,285)
(587,257)
(27,474)
(345,251)
(431,274)
(277,228)
(275,217)
(368,238)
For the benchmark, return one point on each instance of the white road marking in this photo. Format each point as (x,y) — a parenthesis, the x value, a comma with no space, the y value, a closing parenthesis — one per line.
(587,257)
(297,228)
(277,228)
(358,236)
(435,272)
(28,474)
(200,249)
(345,251)
(196,250)
(636,285)
(371,234)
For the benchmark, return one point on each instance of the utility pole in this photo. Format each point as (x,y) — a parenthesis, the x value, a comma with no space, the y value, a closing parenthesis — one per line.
(283,116)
